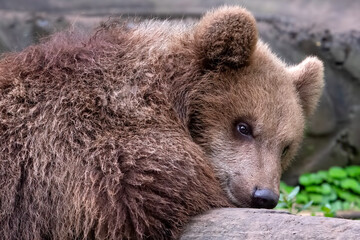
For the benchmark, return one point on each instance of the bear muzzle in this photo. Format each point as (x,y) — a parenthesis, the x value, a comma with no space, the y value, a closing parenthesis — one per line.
(256,197)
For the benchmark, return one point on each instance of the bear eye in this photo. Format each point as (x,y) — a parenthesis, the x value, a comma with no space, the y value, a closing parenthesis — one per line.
(244,129)
(285,151)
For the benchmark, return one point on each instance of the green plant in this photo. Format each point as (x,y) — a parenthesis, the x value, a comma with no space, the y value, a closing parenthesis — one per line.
(287,199)
(328,210)
(325,191)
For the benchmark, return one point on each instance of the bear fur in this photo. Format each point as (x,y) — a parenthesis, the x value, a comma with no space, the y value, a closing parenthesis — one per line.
(129,132)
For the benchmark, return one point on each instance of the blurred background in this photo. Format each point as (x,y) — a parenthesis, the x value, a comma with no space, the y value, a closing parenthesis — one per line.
(329,29)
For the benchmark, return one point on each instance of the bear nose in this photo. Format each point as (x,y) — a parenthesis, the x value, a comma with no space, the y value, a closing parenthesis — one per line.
(264,198)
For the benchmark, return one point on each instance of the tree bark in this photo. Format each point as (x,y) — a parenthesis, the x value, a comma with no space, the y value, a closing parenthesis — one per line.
(236,223)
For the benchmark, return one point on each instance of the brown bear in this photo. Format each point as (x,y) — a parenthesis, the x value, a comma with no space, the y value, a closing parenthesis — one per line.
(129,132)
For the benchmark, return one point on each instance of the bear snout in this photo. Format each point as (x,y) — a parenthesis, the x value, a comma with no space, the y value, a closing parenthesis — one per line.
(264,198)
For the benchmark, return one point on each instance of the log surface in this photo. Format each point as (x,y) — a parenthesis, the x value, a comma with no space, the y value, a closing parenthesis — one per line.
(236,223)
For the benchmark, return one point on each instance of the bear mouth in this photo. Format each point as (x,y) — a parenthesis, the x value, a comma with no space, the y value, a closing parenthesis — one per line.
(232,197)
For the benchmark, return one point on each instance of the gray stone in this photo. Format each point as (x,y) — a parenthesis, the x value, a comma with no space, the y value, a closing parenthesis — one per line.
(354,137)
(339,54)
(354,129)
(235,223)
(352,63)
(4,45)
(317,153)
(323,122)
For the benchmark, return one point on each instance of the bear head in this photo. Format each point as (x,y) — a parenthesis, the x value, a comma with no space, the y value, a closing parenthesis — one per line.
(248,109)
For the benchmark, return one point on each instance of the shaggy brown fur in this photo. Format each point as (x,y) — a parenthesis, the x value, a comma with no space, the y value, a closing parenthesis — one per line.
(129,133)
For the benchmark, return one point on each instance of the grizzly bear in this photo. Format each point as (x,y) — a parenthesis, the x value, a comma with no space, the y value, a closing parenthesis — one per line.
(131,131)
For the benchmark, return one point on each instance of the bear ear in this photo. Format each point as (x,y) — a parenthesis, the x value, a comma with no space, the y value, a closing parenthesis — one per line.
(226,37)
(309,82)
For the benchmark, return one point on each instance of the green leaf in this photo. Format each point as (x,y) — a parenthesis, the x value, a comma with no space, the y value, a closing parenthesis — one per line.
(347,196)
(314,189)
(316,198)
(357,203)
(325,189)
(286,188)
(330,214)
(336,182)
(281,205)
(353,171)
(326,208)
(306,206)
(293,193)
(305,179)
(356,189)
(323,175)
(332,196)
(282,185)
(310,179)
(281,198)
(302,198)
(349,183)
(346,206)
(325,200)
(337,172)
(337,205)
(337,190)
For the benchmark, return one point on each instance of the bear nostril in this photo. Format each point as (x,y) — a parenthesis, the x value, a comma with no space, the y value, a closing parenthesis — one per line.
(264,198)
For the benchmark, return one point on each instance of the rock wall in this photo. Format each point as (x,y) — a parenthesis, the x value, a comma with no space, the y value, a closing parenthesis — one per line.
(332,135)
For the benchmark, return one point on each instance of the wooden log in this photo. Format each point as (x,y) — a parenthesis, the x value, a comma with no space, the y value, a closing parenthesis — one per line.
(348,214)
(237,223)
